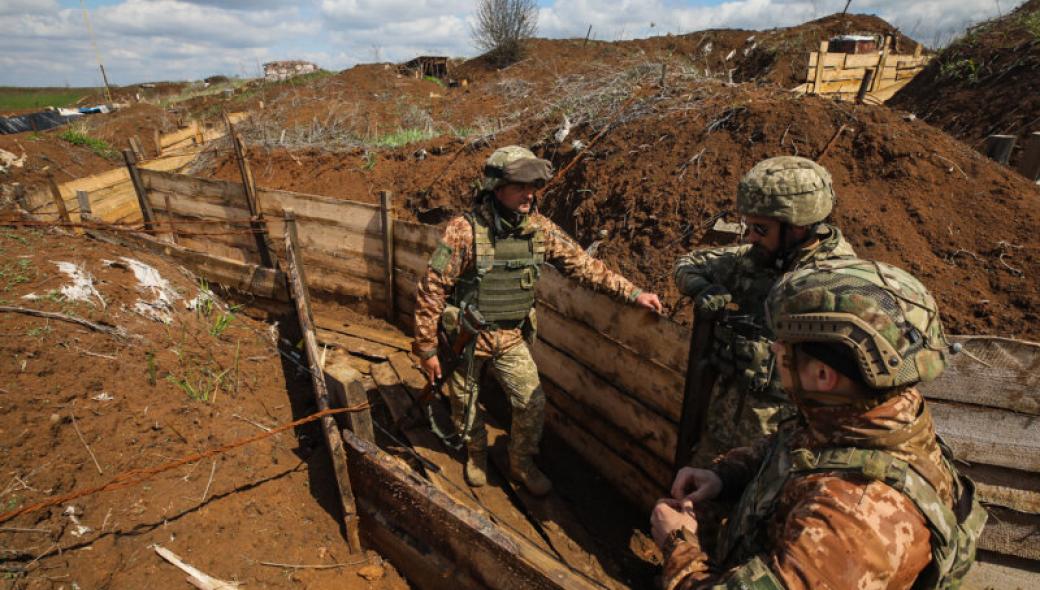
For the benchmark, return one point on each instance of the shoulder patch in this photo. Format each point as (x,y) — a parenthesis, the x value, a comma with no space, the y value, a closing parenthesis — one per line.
(440,258)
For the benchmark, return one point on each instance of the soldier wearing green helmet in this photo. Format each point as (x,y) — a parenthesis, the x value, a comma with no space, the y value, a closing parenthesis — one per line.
(859,492)
(784,203)
(486,266)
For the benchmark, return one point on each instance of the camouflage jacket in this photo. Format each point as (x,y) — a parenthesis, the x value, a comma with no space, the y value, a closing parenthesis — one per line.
(561,251)
(827,530)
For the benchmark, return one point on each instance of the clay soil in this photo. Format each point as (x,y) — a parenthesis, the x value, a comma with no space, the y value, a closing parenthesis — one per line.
(78,407)
(984,83)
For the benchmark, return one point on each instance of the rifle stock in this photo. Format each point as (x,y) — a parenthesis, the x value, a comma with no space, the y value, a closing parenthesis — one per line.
(700,378)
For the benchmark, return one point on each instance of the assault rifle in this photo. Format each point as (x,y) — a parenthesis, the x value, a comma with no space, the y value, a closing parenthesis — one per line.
(452,355)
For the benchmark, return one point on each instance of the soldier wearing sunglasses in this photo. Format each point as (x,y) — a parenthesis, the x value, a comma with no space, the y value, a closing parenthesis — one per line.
(784,202)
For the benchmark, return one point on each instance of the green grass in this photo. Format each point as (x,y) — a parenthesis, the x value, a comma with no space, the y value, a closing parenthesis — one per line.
(38,98)
(403,137)
(78,136)
(435,80)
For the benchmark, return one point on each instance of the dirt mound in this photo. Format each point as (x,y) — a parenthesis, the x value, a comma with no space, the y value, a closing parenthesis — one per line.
(78,407)
(984,83)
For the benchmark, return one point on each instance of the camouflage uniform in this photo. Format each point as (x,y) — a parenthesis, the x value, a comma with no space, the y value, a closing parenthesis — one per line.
(860,493)
(746,401)
(503,350)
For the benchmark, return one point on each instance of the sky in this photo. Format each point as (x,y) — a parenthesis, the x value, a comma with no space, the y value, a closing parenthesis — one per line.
(46,42)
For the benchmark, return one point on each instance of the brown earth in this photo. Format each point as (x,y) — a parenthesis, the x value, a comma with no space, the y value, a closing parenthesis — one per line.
(70,395)
(984,83)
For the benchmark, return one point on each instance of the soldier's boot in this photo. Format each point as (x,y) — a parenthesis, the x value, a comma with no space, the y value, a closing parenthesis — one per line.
(523,471)
(476,468)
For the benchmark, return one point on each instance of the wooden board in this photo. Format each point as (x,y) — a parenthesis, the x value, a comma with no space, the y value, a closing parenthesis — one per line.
(986,575)
(422,237)
(391,338)
(1010,488)
(991,371)
(651,383)
(429,516)
(354,345)
(223,192)
(658,434)
(352,215)
(1011,533)
(651,336)
(989,436)
(406,259)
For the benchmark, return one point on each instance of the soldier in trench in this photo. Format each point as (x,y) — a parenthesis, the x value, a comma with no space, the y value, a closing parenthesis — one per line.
(785,202)
(489,259)
(858,492)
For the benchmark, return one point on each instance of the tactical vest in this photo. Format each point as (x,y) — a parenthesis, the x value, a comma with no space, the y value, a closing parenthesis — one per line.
(954,533)
(502,280)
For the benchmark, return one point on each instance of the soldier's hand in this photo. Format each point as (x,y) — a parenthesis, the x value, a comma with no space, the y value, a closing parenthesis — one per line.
(650,301)
(670,515)
(696,485)
(432,368)
(712,299)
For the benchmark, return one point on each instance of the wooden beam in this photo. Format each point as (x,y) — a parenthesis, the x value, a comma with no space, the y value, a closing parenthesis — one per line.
(993,437)
(1011,533)
(1029,164)
(386,213)
(864,86)
(135,145)
(344,383)
(392,338)
(256,222)
(59,202)
(991,371)
(297,284)
(821,58)
(142,197)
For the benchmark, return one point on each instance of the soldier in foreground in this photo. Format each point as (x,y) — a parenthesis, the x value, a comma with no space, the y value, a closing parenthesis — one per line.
(488,262)
(859,493)
(784,201)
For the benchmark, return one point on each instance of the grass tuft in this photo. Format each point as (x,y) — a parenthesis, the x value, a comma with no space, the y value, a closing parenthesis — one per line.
(78,136)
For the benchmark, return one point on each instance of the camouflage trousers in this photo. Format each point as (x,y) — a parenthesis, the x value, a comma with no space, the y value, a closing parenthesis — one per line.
(515,370)
(760,416)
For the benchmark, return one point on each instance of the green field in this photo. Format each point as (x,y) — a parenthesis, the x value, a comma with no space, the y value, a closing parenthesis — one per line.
(12,99)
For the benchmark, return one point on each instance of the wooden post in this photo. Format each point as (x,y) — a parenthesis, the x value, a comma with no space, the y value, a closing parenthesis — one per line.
(345,388)
(1029,165)
(157,138)
(256,216)
(818,83)
(386,213)
(84,204)
(868,80)
(142,197)
(298,289)
(886,48)
(999,147)
(135,144)
(59,202)
(200,139)
(587,33)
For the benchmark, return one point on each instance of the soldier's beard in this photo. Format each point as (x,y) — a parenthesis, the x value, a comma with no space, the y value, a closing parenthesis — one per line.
(761,256)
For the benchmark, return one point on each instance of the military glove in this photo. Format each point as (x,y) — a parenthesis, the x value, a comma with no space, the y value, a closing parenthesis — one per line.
(712,299)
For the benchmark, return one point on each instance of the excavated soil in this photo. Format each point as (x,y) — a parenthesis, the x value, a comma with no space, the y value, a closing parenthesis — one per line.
(984,83)
(78,407)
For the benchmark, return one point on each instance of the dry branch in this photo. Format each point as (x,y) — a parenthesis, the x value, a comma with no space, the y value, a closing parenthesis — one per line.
(104,328)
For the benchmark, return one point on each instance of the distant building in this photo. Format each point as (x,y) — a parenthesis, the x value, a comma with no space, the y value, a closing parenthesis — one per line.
(277,71)
(426,65)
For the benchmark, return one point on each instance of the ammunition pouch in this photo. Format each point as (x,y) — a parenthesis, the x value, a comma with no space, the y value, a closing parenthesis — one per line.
(743,356)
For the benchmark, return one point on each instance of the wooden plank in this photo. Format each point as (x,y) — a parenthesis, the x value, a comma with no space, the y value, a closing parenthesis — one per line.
(252,279)
(345,388)
(423,237)
(652,336)
(993,437)
(999,147)
(1010,488)
(416,507)
(386,215)
(997,572)
(844,74)
(821,59)
(227,193)
(629,481)
(850,86)
(59,202)
(602,430)
(658,434)
(297,282)
(84,203)
(651,383)
(389,338)
(408,260)
(991,371)
(862,60)
(352,215)
(355,345)
(1011,533)
(187,206)
(334,239)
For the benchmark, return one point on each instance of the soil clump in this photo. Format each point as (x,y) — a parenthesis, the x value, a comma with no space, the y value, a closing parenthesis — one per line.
(78,407)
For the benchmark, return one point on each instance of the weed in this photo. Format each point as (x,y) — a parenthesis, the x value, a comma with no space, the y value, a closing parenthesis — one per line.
(221,324)
(78,136)
(961,69)
(20,239)
(16,272)
(435,80)
(1031,23)
(38,331)
(188,388)
(153,368)
(403,137)
(12,503)
(369,159)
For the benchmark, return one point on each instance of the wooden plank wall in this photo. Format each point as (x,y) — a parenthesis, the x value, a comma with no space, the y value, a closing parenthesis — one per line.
(842,73)
(340,240)
(613,373)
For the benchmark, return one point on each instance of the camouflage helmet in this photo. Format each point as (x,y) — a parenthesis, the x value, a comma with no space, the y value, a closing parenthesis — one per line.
(792,189)
(514,163)
(885,316)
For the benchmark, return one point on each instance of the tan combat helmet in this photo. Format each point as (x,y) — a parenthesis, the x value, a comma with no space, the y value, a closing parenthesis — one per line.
(883,314)
(514,164)
(794,190)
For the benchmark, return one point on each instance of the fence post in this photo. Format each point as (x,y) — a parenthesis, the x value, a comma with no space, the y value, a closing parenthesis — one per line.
(820,55)
(59,202)
(256,216)
(386,211)
(864,86)
(298,291)
(142,197)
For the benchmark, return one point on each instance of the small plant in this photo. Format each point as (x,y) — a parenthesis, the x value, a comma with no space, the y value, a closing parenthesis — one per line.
(435,80)
(1031,22)
(153,368)
(369,159)
(962,69)
(78,136)
(403,137)
(188,388)
(221,324)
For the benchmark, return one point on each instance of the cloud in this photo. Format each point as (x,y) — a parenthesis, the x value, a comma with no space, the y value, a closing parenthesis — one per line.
(139,40)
